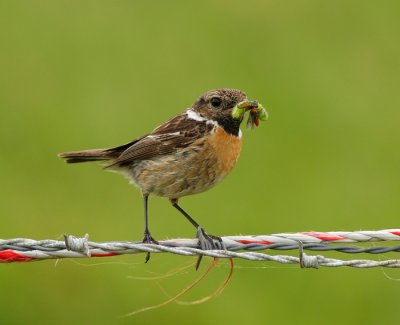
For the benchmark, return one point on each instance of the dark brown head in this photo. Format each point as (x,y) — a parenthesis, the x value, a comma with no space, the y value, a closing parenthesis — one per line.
(217,105)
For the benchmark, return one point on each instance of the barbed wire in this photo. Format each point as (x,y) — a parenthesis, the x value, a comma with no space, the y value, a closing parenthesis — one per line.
(25,250)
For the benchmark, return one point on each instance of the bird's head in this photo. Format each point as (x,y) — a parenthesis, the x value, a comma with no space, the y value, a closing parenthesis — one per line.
(217,105)
(227,107)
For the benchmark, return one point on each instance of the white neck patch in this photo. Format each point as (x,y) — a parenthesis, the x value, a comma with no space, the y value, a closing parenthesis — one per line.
(193,115)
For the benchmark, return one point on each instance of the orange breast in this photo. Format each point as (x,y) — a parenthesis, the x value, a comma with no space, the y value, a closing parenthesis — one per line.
(227,149)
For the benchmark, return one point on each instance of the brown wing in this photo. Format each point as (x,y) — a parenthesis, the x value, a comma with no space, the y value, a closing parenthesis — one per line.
(177,133)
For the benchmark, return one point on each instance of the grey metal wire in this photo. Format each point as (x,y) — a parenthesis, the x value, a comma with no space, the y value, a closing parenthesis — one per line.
(74,247)
(23,244)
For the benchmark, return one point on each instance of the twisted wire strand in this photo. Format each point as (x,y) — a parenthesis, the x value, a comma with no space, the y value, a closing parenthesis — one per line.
(25,250)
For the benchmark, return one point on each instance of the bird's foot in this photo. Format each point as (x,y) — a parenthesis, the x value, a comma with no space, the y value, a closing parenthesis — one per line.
(148,239)
(209,242)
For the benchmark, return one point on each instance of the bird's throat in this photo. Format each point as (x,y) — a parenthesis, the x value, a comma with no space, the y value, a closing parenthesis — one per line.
(230,125)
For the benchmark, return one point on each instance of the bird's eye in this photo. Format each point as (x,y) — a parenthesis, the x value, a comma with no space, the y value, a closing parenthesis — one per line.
(216,102)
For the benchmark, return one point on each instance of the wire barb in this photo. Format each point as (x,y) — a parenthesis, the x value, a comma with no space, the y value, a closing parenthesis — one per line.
(76,244)
(307,261)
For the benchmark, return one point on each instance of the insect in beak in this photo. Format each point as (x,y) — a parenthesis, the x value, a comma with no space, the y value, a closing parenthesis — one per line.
(256,112)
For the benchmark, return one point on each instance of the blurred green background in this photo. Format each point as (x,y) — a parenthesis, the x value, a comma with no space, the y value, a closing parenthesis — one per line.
(85,74)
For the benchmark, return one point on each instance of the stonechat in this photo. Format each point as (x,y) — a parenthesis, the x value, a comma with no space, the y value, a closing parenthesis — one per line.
(186,155)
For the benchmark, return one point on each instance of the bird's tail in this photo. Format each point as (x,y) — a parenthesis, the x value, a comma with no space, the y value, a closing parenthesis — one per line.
(86,155)
(96,154)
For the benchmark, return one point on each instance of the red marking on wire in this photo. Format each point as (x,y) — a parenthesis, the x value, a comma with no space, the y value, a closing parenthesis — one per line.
(323,236)
(104,255)
(249,241)
(9,256)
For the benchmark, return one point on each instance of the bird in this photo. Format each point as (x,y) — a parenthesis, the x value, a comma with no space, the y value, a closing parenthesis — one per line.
(188,154)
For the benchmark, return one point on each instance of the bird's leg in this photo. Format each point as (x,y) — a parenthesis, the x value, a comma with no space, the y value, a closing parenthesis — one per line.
(148,239)
(206,241)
